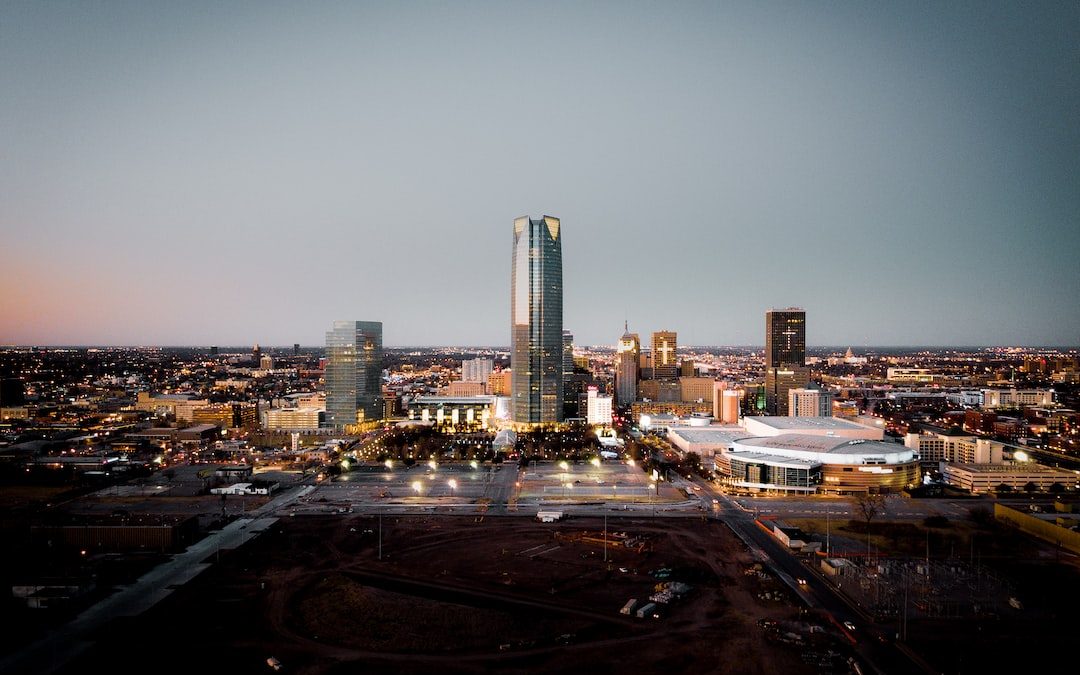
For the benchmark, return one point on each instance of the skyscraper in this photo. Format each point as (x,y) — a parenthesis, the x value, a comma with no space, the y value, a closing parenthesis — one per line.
(785,337)
(785,356)
(353,373)
(626,367)
(664,345)
(536,332)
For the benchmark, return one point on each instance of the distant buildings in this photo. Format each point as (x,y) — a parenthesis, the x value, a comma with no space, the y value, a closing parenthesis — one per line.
(626,367)
(536,327)
(353,373)
(785,356)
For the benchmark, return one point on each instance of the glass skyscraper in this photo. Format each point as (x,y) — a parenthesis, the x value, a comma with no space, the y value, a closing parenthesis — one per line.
(785,356)
(353,373)
(536,326)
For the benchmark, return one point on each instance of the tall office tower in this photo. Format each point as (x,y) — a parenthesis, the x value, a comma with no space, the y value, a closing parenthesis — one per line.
(256,353)
(567,353)
(477,370)
(570,393)
(785,356)
(626,367)
(296,349)
(214,351)
(809,403)
(266,363)
(663,355)
(353,373)
(785,337)
(536,333)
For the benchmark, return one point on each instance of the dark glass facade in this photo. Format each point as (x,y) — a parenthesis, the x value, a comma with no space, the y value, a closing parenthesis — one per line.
(785,338)
(536,329)
(353,373)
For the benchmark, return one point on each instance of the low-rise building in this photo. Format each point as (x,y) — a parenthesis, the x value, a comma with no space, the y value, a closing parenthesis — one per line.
(981,478)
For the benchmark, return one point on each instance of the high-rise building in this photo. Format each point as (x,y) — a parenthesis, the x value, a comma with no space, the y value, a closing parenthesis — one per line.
(626,367)
(570,393)
(785,337)
(536,357)
(477,370)
(353,373)
(598,408)
(266,362)
(785,356)
(664,364)
(809,403)
(296,349)
(214,351)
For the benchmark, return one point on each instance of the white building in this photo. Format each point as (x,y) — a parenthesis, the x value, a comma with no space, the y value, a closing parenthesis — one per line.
(476,370)
(1011,398)
(809,403)
(913,375)
(294,419)
(598,408)
(955,448)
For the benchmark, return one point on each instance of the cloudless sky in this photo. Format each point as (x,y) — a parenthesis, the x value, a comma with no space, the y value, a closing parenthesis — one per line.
(230,173)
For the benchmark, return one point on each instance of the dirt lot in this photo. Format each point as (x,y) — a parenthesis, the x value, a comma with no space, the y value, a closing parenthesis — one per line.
(454,595)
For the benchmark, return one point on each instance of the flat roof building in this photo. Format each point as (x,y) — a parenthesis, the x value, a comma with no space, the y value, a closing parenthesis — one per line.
(817,426)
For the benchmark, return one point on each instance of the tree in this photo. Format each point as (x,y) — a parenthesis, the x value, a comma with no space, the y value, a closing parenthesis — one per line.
(1057,488)
(1004,487)
(1030,487)
(869,506)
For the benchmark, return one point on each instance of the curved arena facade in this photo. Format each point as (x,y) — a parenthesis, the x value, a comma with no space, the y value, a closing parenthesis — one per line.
(802,463)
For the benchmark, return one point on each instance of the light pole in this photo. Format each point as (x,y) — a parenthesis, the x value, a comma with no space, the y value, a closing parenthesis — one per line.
(652,486)
(453,486)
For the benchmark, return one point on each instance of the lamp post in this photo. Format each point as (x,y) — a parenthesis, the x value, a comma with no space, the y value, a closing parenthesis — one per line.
(453,486)
(652,486)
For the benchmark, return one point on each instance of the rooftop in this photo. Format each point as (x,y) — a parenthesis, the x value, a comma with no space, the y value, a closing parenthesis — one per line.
(806,423)
(829,444)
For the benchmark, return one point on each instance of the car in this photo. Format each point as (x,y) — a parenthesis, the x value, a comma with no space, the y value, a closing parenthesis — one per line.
(802,582)
(716,501)
(850,626)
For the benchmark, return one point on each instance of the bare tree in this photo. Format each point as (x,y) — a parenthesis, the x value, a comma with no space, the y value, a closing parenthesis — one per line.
(869,506)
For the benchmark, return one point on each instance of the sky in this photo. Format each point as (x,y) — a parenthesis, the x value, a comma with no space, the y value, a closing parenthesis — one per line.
(231,173)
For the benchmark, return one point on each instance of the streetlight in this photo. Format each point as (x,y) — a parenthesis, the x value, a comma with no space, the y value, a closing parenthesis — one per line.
(453,486)
(417,486)
(652,486)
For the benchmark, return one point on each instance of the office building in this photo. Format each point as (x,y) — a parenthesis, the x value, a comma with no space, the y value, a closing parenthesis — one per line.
(809,403)
(266,362)
(664,345)
(626,367)
(294,419)
(536,316)
(296,349)
(570,396)
(353,373)
(785,357)
(598,408)
(476,370)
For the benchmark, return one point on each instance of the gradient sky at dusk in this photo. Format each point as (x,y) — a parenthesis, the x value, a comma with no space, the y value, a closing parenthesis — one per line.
(230,173)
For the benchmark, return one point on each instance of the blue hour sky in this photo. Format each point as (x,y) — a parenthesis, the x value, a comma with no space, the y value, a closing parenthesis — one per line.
(230,173)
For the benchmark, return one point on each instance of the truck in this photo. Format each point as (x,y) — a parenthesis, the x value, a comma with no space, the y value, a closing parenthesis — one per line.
(549,516)
(646,610)
(628,608)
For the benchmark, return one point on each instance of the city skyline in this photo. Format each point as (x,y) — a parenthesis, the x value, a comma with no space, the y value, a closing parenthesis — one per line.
(211,174)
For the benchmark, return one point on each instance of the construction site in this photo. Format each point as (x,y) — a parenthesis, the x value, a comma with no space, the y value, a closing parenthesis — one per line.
(403,594)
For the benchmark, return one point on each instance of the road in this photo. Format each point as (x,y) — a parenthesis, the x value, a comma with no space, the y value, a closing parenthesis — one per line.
(884,657)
